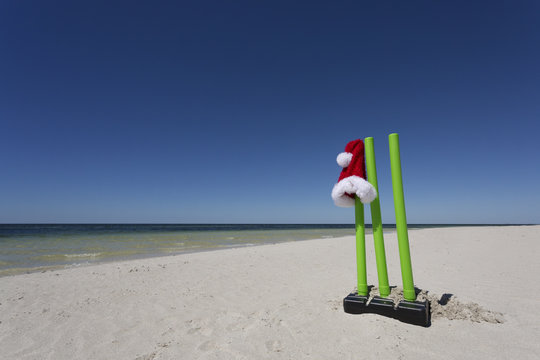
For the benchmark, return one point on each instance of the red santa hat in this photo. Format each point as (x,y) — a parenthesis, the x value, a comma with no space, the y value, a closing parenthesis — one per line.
(352,180)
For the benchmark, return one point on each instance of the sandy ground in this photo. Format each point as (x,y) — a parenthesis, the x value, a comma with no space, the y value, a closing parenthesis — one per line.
(283,302)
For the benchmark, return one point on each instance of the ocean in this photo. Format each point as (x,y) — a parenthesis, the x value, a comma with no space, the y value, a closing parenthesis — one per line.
(41,247)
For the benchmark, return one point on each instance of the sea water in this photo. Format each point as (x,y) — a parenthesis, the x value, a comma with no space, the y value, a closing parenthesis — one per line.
(41,247)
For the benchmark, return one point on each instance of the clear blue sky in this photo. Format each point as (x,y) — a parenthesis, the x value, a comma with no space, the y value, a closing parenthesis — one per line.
(234,112)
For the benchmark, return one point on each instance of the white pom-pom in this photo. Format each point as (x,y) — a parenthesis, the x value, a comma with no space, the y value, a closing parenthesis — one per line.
(344,159)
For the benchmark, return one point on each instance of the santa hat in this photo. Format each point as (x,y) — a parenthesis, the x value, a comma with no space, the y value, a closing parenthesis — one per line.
(352,180)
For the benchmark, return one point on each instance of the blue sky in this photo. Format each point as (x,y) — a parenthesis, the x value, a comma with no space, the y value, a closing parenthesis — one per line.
(234,112)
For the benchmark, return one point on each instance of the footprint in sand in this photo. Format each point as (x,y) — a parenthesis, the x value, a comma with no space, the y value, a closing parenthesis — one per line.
(199,327)
(146,357)
(208,345)
(274,345)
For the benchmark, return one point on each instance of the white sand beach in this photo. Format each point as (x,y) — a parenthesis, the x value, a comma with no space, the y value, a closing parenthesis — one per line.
(283,302)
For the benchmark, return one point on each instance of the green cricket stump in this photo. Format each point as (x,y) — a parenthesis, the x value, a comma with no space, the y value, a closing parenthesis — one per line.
(360,247)
(356,303)
(409,310)
(376,220)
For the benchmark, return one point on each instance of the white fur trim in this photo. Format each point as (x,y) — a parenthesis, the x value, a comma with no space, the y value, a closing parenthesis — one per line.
(353,185)
(344,159)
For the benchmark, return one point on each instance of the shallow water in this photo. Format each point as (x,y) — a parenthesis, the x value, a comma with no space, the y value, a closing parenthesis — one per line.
(34,247)
(40,247)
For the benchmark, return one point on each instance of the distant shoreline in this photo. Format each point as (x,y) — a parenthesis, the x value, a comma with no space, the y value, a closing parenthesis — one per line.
(32,248)
(272,224)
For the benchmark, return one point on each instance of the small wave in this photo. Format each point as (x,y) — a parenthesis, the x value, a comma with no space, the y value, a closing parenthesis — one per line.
(76,265)
(86,255)
(174,249)
(233,245)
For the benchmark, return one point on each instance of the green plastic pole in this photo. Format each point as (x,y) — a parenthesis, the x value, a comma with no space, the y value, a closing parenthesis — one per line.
(401,219)
(376,220)
(360,247)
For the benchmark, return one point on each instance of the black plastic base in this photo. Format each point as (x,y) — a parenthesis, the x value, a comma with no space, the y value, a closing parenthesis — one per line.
(411,312)
(355,304)
(414,312)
